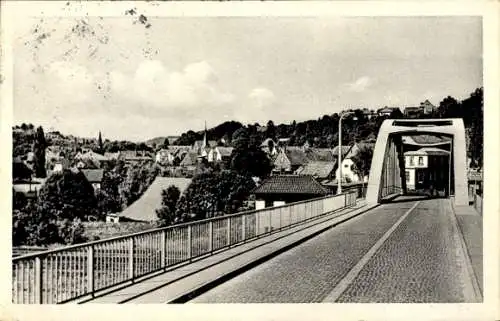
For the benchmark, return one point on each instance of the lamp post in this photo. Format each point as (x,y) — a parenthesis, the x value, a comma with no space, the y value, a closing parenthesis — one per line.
(339,178)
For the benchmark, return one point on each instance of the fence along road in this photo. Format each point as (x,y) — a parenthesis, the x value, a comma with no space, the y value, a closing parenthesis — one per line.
(399,252)
(77,271)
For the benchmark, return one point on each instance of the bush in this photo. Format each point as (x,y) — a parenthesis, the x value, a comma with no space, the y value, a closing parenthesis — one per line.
(71,232)
(67,195)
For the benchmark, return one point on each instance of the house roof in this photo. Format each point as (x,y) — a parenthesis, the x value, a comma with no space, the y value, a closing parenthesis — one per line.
(144,209)
(93,175)
(225,151)
(412,109)
(265,143)
(91,155)
(317,169)
(111,155)
(427,103)
(387,109)
(428,151)
(290,184)
(477,176)
(296,155)
(191,158)
(345,150)
(320,154)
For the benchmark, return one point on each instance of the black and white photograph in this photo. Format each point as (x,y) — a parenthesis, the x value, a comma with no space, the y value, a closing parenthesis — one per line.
(176,159)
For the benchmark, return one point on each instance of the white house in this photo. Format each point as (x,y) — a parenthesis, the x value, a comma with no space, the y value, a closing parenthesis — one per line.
(425,166)
(348,171)
(164,156)
(219,154)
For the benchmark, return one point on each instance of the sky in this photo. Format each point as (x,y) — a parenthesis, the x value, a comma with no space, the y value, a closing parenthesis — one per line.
(112,74)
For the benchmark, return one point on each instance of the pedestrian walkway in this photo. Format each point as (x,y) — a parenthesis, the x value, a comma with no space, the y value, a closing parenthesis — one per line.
(471,227)
(178,284)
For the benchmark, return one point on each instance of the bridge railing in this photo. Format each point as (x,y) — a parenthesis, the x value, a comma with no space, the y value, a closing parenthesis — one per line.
(81,270)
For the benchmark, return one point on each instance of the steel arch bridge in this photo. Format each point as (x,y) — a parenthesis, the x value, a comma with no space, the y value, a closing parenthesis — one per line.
(387,172)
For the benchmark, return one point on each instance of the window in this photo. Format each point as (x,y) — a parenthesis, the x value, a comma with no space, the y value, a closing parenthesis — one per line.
(412,163)
(407,176)
(420,161)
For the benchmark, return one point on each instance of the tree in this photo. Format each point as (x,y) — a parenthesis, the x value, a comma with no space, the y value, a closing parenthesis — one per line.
(363,161)
(20,171)
(166,143)
(271,130)
(108,197)
(136,179)
(213,193)
(270,145)
(396,114)
(39,152)
(67,195)
(30,227)
(166,213)
(99,142)
(240,138)
(19,200)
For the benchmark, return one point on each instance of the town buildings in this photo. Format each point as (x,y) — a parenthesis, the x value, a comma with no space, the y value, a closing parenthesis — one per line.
(427,168)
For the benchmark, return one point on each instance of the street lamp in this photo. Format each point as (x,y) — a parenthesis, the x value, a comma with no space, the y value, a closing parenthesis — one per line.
(339,178)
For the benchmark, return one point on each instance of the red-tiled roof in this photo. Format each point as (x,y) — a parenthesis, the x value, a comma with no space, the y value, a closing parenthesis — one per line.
(225,151)
(320,154)
(93,175)
(296,155)
(290,184)
(345,150)
(317,169)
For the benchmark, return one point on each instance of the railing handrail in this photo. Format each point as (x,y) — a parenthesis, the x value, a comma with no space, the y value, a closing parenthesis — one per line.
(160,229)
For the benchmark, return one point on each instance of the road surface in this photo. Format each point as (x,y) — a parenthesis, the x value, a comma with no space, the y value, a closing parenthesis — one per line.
(405,251)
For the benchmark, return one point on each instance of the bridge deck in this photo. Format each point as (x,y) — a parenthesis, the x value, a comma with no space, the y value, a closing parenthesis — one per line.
(405,251)
(178,282)
(409,250)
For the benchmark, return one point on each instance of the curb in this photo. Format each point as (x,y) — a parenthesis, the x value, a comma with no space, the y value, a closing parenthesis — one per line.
(468,261)
(193,293)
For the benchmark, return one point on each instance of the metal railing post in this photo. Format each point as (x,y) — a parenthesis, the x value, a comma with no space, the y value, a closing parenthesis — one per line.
(38,280)
(243,227)
(90,269)
(281,212)
(190,242)
(257,224)
(163,253)
(210,236)
(131,246)
(270,221)
(228,231)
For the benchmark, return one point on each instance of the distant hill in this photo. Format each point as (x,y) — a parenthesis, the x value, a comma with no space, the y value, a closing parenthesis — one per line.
(159,140)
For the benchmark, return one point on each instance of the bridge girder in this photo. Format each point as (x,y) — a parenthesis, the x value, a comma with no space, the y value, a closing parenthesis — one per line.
(390,133)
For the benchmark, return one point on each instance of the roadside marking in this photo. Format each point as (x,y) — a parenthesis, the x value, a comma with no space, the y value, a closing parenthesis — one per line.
(353,273)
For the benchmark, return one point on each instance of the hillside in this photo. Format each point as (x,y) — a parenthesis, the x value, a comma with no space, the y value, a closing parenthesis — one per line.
(158,141)
(323,132)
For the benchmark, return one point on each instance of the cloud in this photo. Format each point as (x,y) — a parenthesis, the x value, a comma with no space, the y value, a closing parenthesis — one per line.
(259,107)
(262,98)
(153,85)
(361,84)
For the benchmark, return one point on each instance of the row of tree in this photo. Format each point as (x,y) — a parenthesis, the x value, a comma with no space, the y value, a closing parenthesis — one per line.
(323,132)
(67,199)
(211,193)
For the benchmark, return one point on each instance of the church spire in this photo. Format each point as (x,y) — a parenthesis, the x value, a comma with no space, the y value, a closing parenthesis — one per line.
(205,136)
